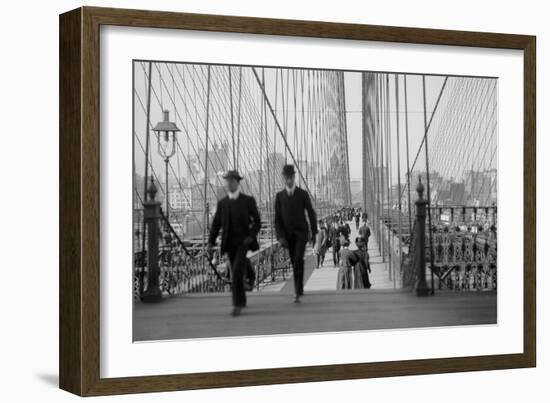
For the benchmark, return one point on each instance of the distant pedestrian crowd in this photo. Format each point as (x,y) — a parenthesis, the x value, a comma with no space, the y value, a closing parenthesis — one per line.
(334,234)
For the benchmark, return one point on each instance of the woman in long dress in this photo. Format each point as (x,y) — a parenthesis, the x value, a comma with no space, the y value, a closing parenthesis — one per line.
(361,265)
(321,244)
(345,278)
(334,239)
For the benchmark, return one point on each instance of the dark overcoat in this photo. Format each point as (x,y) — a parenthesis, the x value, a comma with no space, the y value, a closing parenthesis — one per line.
(245,222)
(290,215)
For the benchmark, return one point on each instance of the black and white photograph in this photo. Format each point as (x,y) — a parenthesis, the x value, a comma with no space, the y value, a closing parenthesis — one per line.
(276,200)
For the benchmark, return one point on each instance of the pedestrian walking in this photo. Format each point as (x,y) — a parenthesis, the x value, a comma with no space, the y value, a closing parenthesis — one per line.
(359,260)
(334,239)
(364,232)
(321,244)
(238,219)
(291,225)
(345,279)
(345,229)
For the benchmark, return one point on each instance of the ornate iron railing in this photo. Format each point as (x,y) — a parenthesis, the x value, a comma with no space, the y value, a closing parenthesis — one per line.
(409,272)
(464,215)
(463,259)
(271,263)
(464,249)
(184,268)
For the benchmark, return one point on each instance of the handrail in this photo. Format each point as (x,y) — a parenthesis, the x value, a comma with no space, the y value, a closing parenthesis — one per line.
(464,248)
(174,233)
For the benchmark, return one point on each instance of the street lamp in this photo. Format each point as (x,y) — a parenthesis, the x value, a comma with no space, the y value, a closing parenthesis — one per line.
(166,140)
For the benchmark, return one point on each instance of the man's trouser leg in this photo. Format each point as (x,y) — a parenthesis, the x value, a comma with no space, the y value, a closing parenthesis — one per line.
(296,248)
(250,273)
(237,258)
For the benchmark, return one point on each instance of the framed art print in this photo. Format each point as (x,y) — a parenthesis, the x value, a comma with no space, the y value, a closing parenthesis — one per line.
(251,201)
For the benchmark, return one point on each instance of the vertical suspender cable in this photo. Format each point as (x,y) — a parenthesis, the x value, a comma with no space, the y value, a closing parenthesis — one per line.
(398,167)
(345,135)
(239,119)
(285,111)
(382,245)
(428,182)
(147,134)
(376,103)
(205,202)
(390,193)
(263,127)
(408,162)
(232,124)
(269,191)
(278,126)
(364,135)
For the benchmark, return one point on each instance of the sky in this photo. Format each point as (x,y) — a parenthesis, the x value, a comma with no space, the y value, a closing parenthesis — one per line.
(181,88)
(415,118)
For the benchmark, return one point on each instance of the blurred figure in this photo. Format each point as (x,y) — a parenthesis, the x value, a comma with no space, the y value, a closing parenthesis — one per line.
(344,280)
(239,220)
(321,244)
(291,225)
(364,232)
(345,230)
(334,239)
(359,260)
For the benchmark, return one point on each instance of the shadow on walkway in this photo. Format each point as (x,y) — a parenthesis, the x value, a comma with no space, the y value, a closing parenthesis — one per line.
(274,313)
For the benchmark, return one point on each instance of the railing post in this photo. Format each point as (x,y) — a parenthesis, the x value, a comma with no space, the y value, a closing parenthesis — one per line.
(151,212)
(420,248)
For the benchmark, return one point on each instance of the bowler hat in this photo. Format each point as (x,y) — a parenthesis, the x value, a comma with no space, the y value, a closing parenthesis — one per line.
(288,170)
(232,174)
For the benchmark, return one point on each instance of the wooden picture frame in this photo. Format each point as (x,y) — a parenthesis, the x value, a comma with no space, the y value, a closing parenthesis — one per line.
(79,281)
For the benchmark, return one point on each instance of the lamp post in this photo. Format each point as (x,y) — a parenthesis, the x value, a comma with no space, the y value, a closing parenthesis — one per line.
(166,140)
(421,286)
(151,217)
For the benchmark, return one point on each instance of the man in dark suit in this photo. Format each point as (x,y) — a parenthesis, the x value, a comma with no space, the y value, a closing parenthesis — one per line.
(238,218)
(364,232)
(291,205)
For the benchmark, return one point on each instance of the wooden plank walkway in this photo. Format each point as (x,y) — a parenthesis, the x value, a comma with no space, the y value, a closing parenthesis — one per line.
(200,316)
